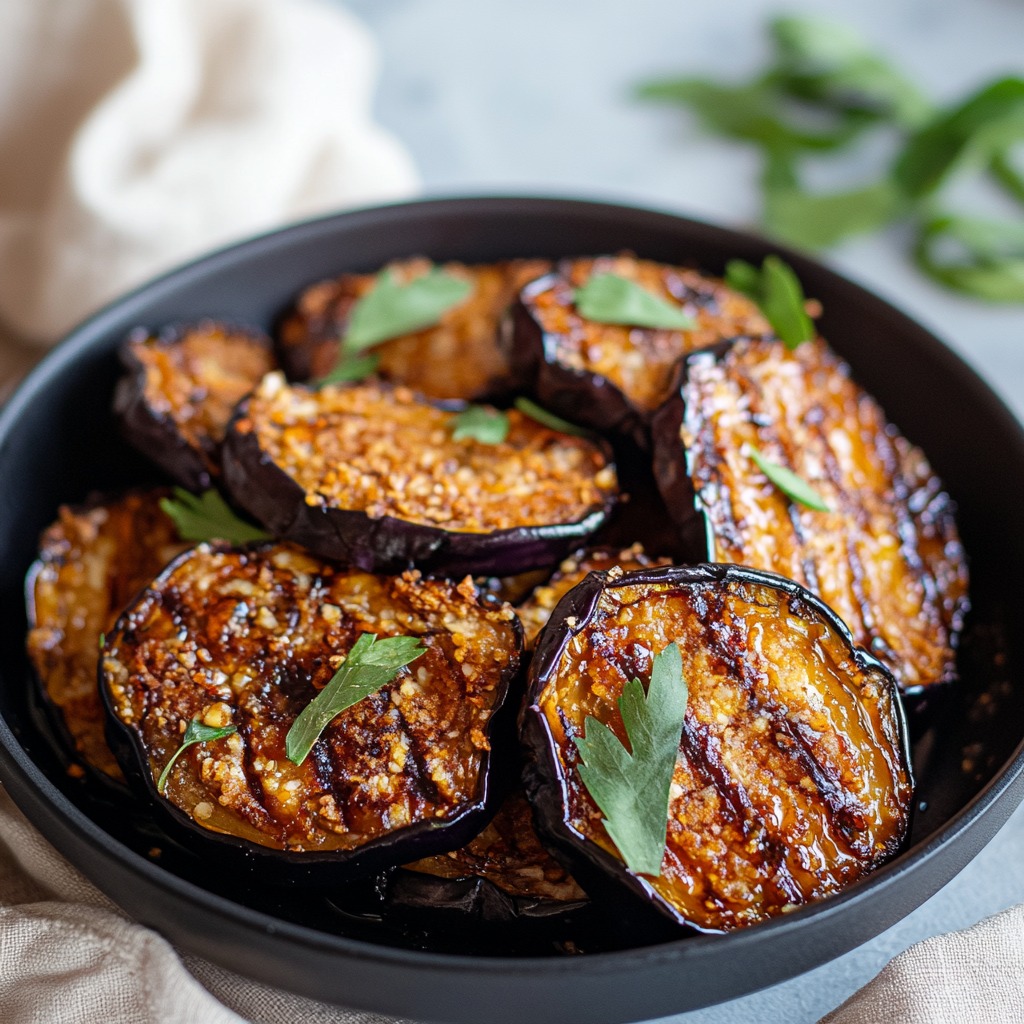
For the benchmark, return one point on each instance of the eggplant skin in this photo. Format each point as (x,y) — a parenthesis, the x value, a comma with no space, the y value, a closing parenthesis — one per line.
(613,377)
(180,389)
(371,476)
(537,607)
(92,560)
(457,358)
(793,777)
(886,556)
(248,637)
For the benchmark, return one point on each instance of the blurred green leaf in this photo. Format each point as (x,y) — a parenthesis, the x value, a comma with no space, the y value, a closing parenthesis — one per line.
(982,258)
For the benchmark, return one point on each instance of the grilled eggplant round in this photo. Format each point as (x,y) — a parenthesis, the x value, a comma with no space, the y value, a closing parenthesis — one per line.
(458,358)
(373,476)
(247,637)
(886,556)
(613,376)
(792,778)
(91,562)
(180,389)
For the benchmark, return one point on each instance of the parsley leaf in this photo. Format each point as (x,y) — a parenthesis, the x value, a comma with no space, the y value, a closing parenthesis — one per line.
(208,517)
(196,732)
(391,308)
(349,368)
(631,788)
(549,419)
(778,293)
(371,663)
(482,423)
(795,487)
(612,299)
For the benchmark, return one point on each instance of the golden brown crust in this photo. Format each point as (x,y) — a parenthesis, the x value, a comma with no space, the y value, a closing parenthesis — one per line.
(887,557)
(250,637)
(194,377)
(640,362)
(92,561)
(384,452)
(535,611)
(508,854)
(458,358)
(791,781)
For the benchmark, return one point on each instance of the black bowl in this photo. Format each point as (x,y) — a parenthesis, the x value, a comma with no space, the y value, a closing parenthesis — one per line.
(58,443)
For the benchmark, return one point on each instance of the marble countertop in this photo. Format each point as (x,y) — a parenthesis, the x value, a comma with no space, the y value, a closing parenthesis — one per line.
(534,97)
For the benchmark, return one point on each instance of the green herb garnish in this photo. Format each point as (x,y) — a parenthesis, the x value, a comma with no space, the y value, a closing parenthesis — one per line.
(371,663)
(612,299)
(208,517)
(778,293)
(549,419)
(796,488)
(195,732)
(482,423)
(392,308)
(350,368)
(631,787)
(824,88)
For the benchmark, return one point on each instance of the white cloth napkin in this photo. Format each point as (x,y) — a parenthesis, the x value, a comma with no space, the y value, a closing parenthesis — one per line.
(137,133)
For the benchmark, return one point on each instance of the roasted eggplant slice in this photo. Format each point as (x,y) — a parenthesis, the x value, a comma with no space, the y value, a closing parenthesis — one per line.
(373,476)
(614,376)
(886,556)
(535,611)
(458,358)
(503,877)
(179,391)
(91,562)
(792,777)
(247,638)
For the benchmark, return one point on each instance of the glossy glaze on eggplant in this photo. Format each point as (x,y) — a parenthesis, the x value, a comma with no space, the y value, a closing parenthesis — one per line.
(248,637)
(886,556)
(458,358)
(535,611)
(792,778)
(91,562)
(612,377)
(180,389)
(373,475)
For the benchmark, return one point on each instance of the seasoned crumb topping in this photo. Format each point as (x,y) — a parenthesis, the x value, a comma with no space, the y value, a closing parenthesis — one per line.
(250,637)
(790,782)
(197,377)
(384,452)
(535,611)
(458,358)
(639,361)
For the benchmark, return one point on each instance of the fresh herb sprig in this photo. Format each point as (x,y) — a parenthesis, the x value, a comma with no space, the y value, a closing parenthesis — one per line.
(195,732)
(481,423)
(613,299)
(794,486)
(208,516)
(370,664)
(824,88)
(631,787)
(350,369)
(776,289)
(392,307)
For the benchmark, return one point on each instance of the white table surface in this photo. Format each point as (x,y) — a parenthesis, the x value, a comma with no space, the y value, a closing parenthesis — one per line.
(533,97)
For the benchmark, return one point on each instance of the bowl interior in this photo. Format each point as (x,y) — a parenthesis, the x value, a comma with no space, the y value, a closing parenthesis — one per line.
(58,443)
